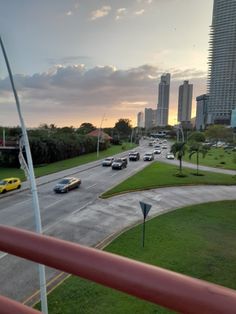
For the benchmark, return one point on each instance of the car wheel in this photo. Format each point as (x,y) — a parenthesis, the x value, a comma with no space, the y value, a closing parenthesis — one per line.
(4,191)
(19,186)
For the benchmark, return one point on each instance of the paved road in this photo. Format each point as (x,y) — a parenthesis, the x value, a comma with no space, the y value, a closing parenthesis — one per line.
(81,217)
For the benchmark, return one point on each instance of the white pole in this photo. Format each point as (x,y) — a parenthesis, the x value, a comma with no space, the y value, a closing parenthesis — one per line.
(99,133)
(42,277)
(3,137)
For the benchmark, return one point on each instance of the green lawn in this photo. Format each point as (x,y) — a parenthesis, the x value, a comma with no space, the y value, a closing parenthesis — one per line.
(216,157)
(196,240)
(159,174)
(65,164)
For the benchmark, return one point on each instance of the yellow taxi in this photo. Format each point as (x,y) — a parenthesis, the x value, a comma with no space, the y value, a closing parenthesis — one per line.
(9,184)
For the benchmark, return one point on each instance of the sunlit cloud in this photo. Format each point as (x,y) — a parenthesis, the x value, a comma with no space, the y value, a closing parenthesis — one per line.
(120,13)
(63,93)
(69,13)
(97,14)
(140,12)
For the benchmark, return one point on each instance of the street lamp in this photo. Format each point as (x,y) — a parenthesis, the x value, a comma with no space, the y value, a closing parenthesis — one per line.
(42,278)
(99,133)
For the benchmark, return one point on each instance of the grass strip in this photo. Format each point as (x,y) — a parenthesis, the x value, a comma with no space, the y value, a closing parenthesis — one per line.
(159,174)
(197,240)
(66,164)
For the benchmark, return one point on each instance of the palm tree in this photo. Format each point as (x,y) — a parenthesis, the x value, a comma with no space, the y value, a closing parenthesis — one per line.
(197,148)
(178,149)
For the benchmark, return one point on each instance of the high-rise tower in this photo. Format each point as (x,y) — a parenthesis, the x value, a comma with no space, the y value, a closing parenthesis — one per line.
(222,62)
(163,100)
(185,102)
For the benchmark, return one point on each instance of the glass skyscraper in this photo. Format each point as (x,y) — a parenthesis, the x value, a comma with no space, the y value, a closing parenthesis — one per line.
(222,62)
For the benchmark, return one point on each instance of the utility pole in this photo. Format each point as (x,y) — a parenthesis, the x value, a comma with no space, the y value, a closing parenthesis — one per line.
(99,133)
(42,278)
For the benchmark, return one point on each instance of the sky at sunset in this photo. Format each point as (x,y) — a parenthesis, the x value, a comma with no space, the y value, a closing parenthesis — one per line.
(74,61)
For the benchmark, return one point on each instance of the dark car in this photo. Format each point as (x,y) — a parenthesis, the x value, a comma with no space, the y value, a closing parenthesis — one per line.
(119,163)
(134,156)
(148,157)
(67,184)
(107,162)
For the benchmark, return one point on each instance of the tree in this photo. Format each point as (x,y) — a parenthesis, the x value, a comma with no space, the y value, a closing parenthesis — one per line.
(86,128)
(198,137)
(219,133)
(178,149)
(124,127)
(197,148)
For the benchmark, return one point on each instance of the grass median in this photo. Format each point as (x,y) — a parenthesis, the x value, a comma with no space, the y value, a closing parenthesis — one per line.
(159,174)
(198,241)
(66,164)
(215,157)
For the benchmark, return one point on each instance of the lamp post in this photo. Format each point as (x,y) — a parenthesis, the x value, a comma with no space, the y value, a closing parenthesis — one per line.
(99,133)
(42,278)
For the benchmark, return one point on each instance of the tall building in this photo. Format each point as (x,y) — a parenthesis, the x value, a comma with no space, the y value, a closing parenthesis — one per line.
(185,102)
(222,62)
(201,111)
(163,100)
(140,120)
(150,118)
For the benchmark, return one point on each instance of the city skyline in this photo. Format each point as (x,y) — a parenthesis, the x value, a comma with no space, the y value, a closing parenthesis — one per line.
(78,60)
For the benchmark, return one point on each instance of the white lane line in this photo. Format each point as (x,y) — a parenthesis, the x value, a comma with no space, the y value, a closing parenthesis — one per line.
(91,186)
(114,174)
(53,204)
(62,218)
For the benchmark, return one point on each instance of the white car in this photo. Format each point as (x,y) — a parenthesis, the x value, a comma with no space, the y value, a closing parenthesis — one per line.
(170,156)
(157,151)
(107,162)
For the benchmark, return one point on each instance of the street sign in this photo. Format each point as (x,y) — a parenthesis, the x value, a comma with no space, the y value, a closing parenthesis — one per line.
(145,208)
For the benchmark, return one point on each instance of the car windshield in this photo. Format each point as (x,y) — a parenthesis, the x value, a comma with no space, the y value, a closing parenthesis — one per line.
(118,160)
(64,181)
(108,159)
(3,182)
(148,154)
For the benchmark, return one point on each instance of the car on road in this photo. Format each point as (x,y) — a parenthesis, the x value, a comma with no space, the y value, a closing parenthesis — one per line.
(9,184)
(164,147)
(107,162)
(134,156)
(119,163)
(67,184)
(148,157)
(170,156)
(157,151)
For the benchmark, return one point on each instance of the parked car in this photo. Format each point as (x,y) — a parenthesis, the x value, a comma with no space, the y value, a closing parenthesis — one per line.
(107,162)
(9,184)
(67,184)
(148,157)
(157,151)
(134,156)
(119,163)
(170,156)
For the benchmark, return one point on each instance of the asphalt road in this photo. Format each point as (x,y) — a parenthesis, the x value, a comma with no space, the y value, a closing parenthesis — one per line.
(79,216)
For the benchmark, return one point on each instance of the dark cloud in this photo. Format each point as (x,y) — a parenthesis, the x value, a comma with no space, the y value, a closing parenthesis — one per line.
(75,89)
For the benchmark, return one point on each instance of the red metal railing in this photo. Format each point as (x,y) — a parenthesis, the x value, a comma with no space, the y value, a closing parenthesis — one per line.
(174,291)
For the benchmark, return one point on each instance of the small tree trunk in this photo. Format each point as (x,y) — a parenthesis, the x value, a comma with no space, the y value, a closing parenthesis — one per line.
(180,165)
(197,162)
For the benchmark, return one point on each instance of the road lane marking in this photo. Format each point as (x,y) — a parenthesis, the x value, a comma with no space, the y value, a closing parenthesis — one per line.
(62,218)
(89,187)
(54,203)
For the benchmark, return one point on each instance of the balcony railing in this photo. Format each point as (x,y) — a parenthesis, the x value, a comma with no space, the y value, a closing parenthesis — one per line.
(166,288)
